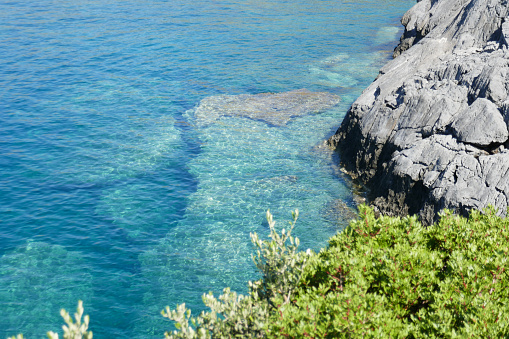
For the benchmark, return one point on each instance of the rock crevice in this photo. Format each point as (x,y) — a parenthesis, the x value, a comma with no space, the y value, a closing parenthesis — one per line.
(431,132)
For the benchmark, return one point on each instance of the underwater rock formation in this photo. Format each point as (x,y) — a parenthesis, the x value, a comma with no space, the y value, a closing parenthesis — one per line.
(431,132)
(37,280)
(274,108)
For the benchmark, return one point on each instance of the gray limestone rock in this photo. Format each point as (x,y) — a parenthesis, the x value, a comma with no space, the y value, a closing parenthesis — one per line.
(431,131)
(273,108)
(505,32)
(481,124)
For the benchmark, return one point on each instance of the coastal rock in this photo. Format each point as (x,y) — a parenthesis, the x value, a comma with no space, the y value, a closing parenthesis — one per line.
(274,108)
(481,124)
(431,131)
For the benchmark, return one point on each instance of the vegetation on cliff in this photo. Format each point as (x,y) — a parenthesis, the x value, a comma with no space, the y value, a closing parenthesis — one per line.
(380,277)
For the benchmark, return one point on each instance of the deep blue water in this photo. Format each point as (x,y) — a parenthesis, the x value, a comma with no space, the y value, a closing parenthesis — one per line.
(111,194)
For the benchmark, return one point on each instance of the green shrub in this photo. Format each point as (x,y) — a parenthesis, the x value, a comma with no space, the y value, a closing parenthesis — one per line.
(392,277)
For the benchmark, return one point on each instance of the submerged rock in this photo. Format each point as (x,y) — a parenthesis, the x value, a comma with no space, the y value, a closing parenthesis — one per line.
(274,108)
(431,131)
(37,280)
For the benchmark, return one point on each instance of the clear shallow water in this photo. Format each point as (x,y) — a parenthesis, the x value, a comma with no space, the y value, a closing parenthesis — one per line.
(110,193)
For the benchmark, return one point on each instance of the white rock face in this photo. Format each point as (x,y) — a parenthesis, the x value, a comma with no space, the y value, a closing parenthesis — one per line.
(431,131)
(481,124)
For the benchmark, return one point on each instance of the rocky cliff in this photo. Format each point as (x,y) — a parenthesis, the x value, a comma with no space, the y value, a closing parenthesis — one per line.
(431,132)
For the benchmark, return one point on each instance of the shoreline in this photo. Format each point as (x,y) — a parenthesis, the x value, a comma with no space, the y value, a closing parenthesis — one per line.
(431,131)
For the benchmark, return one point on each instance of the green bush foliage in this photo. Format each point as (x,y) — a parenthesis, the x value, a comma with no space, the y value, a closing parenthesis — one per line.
(392,277)
(381,277)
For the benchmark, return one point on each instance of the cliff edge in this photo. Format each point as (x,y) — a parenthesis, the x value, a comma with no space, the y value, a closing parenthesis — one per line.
(431,132)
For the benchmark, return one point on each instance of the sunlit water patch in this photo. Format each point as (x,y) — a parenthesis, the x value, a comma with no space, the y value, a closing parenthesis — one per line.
(142,206)
(386,35)
(348,71)
(101,132)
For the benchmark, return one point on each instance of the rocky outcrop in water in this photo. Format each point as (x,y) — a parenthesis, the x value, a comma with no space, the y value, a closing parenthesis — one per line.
(431,132)
(274,108)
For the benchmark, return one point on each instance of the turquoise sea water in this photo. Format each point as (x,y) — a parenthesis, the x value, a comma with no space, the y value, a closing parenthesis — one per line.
(111,194)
